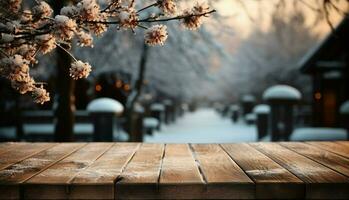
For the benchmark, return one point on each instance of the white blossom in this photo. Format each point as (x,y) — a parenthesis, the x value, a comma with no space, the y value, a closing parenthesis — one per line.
(42,10)
(40,95)
(64,27)
(167,6)
(85,39)
(156,35)
(79,70)
(46,42)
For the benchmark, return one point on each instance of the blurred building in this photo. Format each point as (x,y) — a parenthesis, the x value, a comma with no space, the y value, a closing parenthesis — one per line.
(327,64)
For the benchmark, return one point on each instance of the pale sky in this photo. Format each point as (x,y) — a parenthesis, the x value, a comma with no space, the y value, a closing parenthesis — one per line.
(260,11)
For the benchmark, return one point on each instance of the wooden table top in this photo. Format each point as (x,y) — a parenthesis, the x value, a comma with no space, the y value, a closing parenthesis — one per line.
(174,171)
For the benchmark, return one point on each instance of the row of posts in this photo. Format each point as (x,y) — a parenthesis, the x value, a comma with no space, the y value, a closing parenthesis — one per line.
(276,116)
(105,111)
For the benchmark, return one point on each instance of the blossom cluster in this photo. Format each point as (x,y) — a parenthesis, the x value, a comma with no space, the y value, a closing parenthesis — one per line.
(26,33)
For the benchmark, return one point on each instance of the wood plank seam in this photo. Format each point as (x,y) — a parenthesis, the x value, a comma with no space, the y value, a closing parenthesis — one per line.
(30,155)
(310,158)
(160,170)
(119,177)
(252,179)
(21,186)
(275,160)
(202,174)
(53,163)
(88,165)
(318,146)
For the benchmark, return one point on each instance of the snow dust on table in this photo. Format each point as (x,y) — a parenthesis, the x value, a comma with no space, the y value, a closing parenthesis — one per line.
(203,126)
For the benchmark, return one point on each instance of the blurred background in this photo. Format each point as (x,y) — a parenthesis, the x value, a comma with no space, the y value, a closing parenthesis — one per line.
(257,70)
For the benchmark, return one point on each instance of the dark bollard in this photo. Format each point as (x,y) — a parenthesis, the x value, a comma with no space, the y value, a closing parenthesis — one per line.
(281,99)
(103,112)
(234,109)
(248,102)
(168,111)
(262,112)
(344,112)
(150,124)
(250,118)
(157,111)
(137,129)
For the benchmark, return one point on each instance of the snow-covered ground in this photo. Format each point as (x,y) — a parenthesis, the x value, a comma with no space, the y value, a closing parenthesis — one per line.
(204,126)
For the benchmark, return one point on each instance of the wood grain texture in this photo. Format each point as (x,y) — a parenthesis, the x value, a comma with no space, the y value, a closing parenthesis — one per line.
(54,182)
(321,182)
(16,174)
(140,178)
(8,146)
(335,147)
(174,171)
(219,169)
(329,159)
(102,173)
(22,152)
(272,180)
(180,177)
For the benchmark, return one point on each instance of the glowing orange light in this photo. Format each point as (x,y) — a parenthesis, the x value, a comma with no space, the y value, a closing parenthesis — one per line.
(317,95)
(118,84)
(127,87)
(98,88)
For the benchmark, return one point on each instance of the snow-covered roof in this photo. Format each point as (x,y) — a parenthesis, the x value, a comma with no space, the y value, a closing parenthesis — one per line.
(150,122)
(157,107)
(105,105)
(248,98)
(282,92)
(344,109)
(261,109)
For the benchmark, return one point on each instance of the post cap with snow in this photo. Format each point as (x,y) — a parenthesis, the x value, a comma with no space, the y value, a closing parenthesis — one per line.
(150,122)
(157,107)
(248,98)
(344,109)
(282,92)
(139,108)
(234,107)
(261,109)
(105,105)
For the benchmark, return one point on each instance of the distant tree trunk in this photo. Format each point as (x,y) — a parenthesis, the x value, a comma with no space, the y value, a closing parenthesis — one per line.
(137,90)
(64,99)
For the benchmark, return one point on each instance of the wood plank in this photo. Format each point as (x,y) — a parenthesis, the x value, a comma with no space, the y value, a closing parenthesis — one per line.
(334,147)
(224,178)
(272,180)
(140,178)
(321,182)
(54,182)
(180,177)
(12,176)
(97,181)
(22,152)
(8,146)
(329,159)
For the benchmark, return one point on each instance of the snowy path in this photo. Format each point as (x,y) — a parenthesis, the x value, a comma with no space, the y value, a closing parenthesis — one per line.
(203,126)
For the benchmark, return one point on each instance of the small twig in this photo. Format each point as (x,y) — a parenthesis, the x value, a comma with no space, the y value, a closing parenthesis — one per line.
(141,26)
(151,20)
(71,55)
(4,53)
(151,5)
